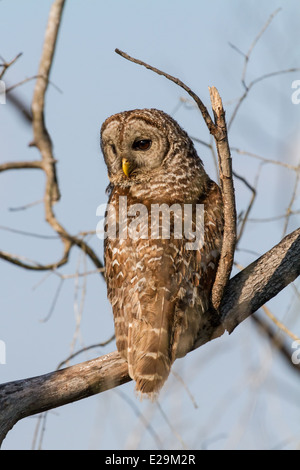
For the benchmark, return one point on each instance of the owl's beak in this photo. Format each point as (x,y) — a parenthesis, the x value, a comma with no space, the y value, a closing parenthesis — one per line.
(126,167)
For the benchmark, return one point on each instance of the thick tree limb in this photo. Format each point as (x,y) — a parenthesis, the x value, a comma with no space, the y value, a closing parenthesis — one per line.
(30,396)
(271,273)
(245,293)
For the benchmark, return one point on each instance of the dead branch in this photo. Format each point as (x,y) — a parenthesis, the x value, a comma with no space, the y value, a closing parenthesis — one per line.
(201,106)
(34,266)
(227,189)
(245,293)
(21,165)
(245,217)
(218,130)
(43,142)
(41,136)
(255,41)
(6,65)
(30,396)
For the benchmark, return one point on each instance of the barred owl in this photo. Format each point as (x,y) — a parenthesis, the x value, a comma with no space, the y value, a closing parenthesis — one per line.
(159,288)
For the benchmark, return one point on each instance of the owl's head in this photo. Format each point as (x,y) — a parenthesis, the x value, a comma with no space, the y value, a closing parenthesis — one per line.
(138,144)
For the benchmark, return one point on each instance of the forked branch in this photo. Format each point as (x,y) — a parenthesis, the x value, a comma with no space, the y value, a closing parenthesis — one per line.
(42,140)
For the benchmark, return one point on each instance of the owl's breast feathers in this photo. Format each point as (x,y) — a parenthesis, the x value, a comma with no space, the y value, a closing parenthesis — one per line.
(159,290)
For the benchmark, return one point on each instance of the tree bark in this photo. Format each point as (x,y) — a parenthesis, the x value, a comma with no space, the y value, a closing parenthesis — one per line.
(245,294)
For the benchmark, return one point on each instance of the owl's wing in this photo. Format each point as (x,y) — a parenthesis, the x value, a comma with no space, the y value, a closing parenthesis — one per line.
(175,297)
(152,305)
(159,290)
(207,257)
(197,270)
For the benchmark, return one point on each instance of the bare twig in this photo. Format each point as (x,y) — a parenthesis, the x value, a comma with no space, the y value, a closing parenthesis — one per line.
(29,234)
(54,301)
(279,324)
(247,86)
(184,385)
(292,200)
(276,341)
(246,215)
(264,159)
(146,422)
(10,88)
(274,218)
(36,164)
(254,42)
(211,126)
(26,206)
(84,349)
(34,266)
(6,65)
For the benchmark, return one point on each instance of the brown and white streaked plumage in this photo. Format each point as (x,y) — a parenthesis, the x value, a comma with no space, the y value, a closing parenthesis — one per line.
(158,289)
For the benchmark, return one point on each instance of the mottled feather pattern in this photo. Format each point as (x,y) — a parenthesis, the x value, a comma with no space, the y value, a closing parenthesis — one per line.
(158,289)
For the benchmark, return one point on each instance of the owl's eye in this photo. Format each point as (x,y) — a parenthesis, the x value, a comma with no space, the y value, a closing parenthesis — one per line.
(114,149)
(143,144)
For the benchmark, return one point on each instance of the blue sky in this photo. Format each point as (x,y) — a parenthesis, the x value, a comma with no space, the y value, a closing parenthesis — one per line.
(244,392)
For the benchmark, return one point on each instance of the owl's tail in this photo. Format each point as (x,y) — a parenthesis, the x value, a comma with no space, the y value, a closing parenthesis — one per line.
(149,358)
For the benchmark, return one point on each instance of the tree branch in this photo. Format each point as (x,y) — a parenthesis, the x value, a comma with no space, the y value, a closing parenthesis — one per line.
(34,266)
(41,137)
(30,396)
(211,126)
(43,142)
(245,293)
(227,189)
(261,281)
(21,165)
